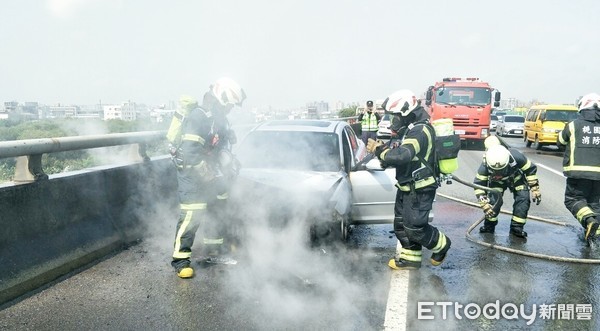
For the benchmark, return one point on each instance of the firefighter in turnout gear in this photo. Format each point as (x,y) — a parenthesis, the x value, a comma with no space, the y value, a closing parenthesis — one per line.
(414,160)
(503,169)
(581,165)
(205,167)
(369,122)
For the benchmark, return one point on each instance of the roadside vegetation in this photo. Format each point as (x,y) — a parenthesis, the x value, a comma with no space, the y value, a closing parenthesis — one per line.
(72,160)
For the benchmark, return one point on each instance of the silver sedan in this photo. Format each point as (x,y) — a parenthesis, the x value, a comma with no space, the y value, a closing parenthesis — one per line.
(313,172)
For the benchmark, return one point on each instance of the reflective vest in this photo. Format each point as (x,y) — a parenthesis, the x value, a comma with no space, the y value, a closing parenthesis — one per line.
(582,153)
(369,122)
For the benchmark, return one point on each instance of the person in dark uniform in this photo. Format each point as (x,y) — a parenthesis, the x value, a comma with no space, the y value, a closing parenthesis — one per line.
(416,184)
(503,169)
(204,170)
(581,165)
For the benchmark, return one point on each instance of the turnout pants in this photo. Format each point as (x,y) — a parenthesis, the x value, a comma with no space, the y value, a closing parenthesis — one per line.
(411,221)
(521,204)
(202,205)
(582,198)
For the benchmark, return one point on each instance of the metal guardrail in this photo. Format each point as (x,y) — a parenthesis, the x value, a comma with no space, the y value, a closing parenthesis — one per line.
(29,151)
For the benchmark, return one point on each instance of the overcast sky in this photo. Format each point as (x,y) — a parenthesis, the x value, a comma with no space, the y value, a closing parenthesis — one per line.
(286,53)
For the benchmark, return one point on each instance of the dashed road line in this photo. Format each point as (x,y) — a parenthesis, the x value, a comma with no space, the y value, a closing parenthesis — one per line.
(395,314)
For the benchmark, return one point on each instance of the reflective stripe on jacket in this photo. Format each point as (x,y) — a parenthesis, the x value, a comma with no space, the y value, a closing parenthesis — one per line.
(418,140)
(582,153)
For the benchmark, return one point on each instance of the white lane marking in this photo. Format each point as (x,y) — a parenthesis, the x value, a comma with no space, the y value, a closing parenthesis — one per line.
(395,313)
(550,169)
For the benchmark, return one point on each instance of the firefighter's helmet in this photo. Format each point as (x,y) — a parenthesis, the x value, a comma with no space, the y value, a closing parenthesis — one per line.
(497,157)
(401,102)
(589,101)
(228,92)
(491,141)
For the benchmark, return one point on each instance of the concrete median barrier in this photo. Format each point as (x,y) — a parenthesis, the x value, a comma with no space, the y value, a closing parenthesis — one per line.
(53,227)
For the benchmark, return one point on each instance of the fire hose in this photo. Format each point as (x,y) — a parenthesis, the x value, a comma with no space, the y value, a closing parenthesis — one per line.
(504,248)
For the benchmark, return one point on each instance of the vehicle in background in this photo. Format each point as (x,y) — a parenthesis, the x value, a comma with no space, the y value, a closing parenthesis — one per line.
(317,172)
(383,131)
(544,122)
(493,122)
(468,102)
(510,125)
(499,114)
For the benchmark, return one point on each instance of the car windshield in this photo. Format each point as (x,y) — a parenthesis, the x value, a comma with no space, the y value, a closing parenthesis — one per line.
(494,118)
(315,151)
(464,96)
(514,119)
(561,115)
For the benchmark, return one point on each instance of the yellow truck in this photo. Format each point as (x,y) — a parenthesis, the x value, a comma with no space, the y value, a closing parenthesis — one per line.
(544,122)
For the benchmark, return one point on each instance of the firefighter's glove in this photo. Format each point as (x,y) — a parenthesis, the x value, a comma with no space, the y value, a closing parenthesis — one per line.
(376,147)
(484,202)
(176,156)
(536,195)
(172,150)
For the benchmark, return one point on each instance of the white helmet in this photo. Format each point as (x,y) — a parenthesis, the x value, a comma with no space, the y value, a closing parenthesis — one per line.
(401,102)
(589,101)
(497,157)
(491,141)
(228,92)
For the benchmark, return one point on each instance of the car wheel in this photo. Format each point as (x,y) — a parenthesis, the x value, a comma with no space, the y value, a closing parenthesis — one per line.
(340,229)
(538,146)
(344,229)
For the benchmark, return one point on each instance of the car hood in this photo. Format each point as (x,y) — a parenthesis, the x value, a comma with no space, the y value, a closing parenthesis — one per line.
(291,180)
(307,194)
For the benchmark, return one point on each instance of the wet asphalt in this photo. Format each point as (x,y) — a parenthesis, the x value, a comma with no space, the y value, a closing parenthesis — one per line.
(279,285)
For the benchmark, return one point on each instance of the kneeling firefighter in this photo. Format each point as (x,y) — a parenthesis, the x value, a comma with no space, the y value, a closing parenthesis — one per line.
(201,139)
(503,169)
(414,160)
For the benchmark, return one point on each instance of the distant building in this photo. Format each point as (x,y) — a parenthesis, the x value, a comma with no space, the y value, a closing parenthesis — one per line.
(31,108)
(159,115)
(317,109)
(90,111)
(10,106)
(61,111)
(125,112)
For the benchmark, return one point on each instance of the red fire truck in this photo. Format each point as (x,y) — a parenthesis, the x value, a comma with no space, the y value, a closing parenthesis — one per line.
(468,102)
